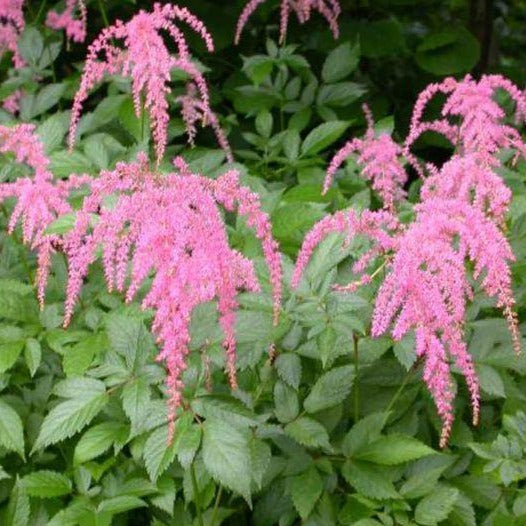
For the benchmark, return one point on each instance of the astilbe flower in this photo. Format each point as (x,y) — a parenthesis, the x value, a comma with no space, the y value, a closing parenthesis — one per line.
(427,288)
(329,9)
(184,250)
(471,117)
(11,26)
(147,61)
(39,200)
(193,111)
(458,223)
(380,159)
(75,28)
(465,178)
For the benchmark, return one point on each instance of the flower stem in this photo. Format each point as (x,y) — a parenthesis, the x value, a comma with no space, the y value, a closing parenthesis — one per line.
(356,389)
(103,13)
(39,12)
(216,506)
(197,500)
(402,387)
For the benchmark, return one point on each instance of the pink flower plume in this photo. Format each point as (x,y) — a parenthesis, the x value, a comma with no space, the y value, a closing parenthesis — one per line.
(380,159)
(39,200)
(148,62)
(75,28)
(185,252)
(471,117)
(12,24)
(329,9)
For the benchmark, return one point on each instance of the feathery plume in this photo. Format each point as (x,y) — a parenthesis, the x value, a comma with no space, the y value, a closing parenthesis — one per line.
(39,200)
(329,9)
(12,24)
(185,249)
(380,159)
(471,117)
(147,61)
(75,28)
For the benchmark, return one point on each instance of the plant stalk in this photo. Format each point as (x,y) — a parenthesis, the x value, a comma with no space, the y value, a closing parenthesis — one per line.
(197,500)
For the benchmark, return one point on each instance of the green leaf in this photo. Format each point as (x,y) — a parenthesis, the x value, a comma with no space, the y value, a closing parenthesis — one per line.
(79,387)
(322,136)
(226,455)
(33,355)
(68,418)
(288,366)
(224,407)
(423,475)
(404,350)
(62,225)
(3,474)
(264,123)
(189,443)
(120,504)
(11,429)
(9,352)
(330,390)
(260,456)
(370,480)
(46,484)
(128,336)
(134,125)
(365,431)
(31,45)
(35,104)
(327,345)
(98,439)
(291,145)
(341,62)
(135,400)
(291,221)
(286,404)
(79,357)
(17,301)
(437,506)
(340,94)
(463,513)
(53,130)
(64,163)
(17,512)
(258,67)
(308,432)
(394,449)
(158,453)
(490,380)
(448,51)
(305,490)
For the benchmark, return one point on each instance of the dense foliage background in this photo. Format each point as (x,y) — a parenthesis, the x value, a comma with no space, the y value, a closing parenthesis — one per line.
(335,427)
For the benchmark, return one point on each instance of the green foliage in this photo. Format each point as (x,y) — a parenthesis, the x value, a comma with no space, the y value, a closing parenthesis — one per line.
(334,428)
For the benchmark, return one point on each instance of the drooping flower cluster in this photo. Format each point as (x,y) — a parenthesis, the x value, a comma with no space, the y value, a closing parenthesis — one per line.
(39,200)
(11,26)
(169,227)
(193,111)
(148,62)
(380,159)
(458,224)
(75,28)
(329,9)
(471,117)
(427,288)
